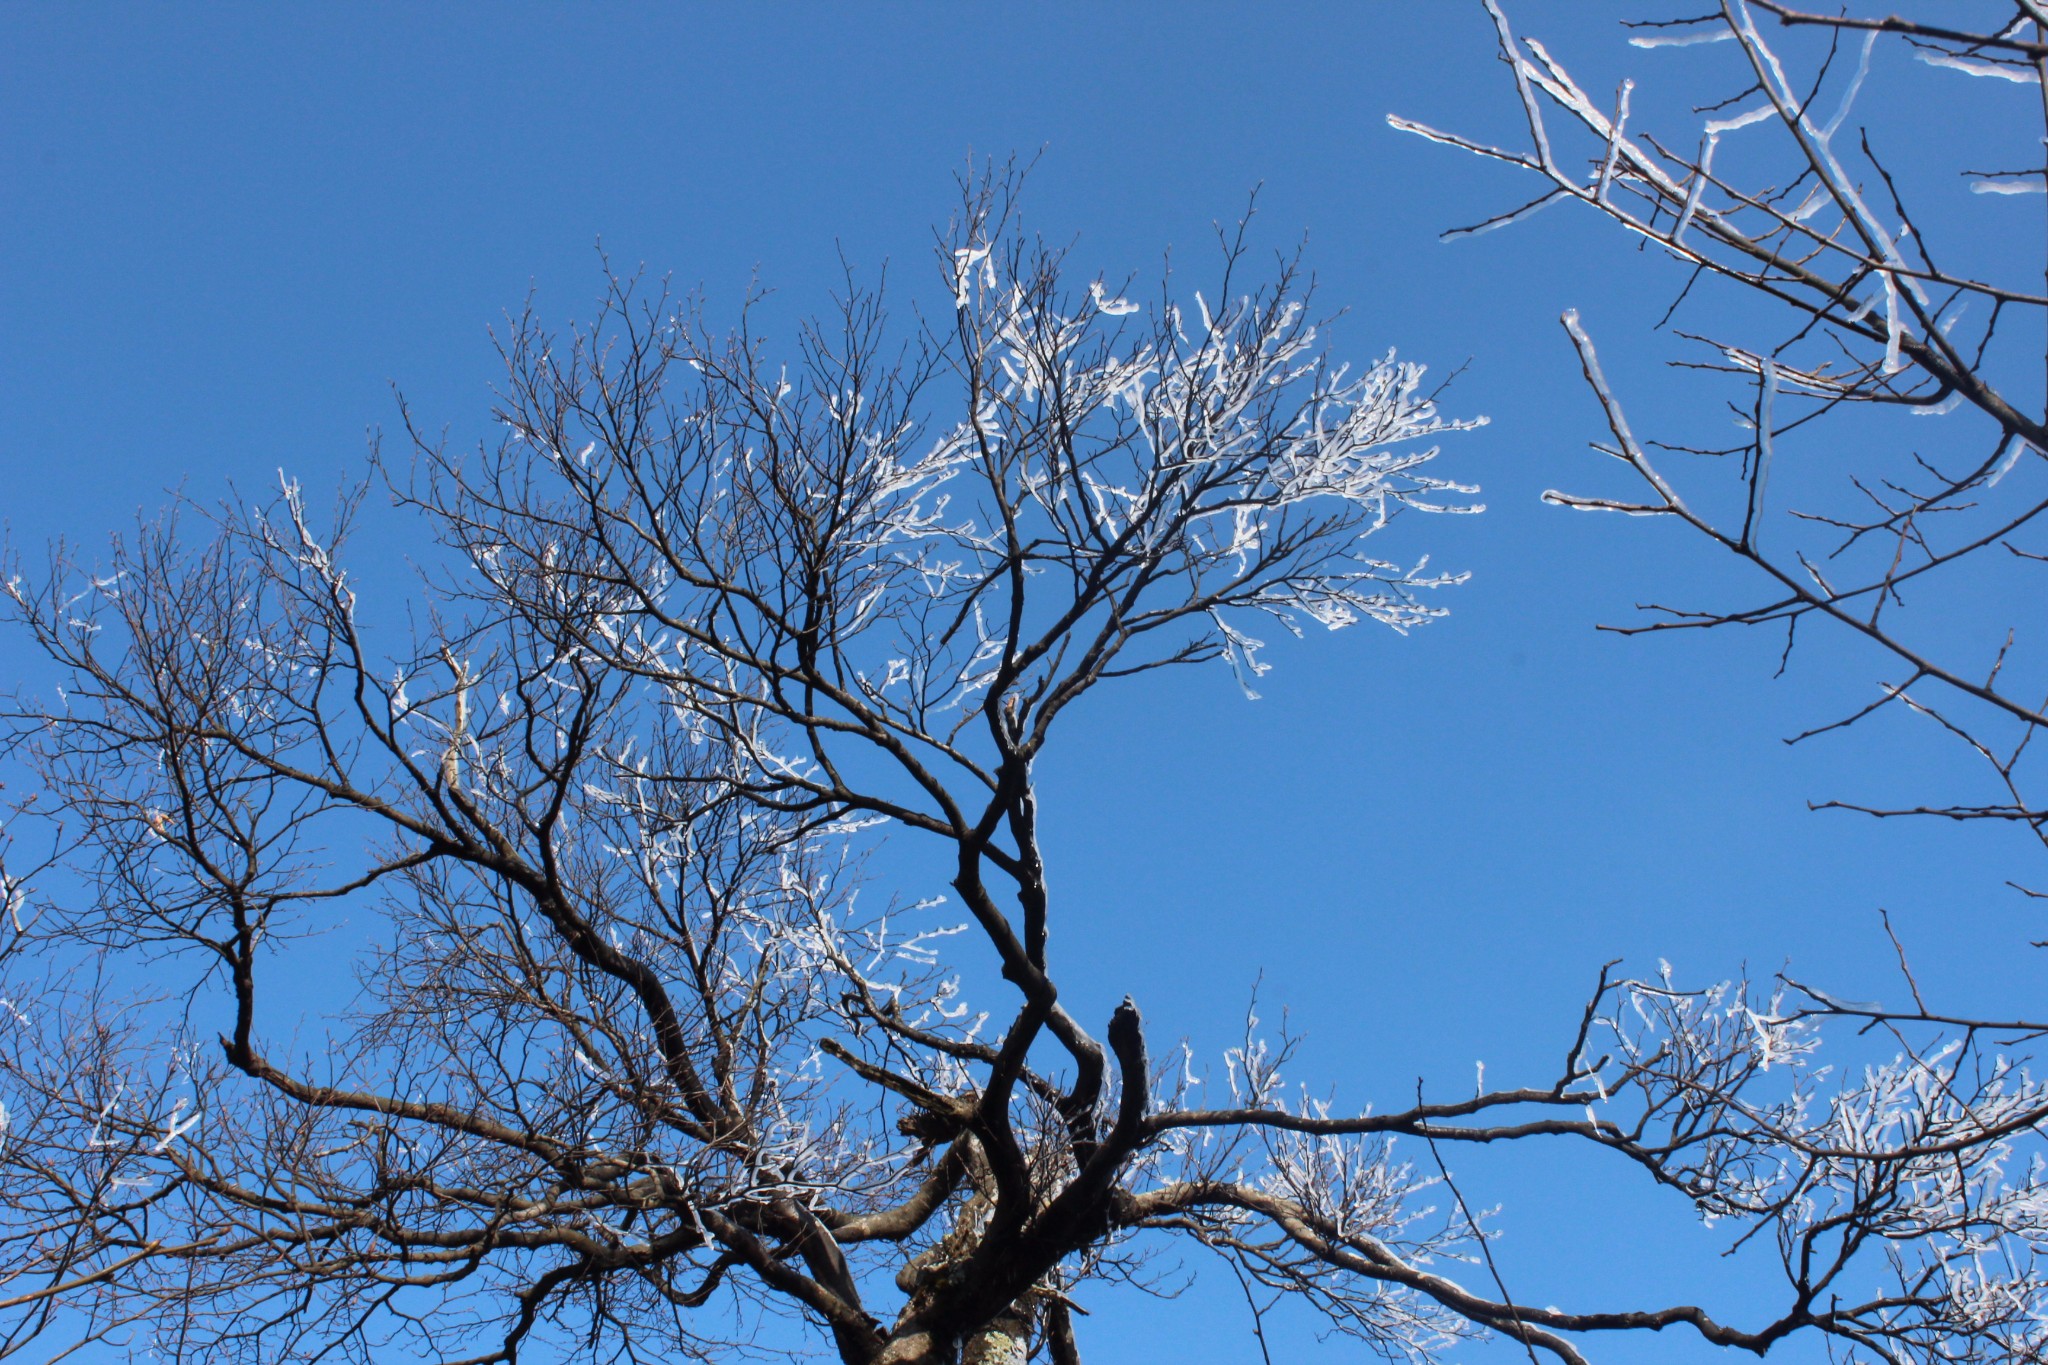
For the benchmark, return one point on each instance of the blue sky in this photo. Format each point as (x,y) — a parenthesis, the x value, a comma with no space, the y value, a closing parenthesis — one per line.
(231,231)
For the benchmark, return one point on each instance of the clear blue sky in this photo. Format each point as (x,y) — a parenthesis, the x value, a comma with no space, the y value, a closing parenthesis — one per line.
(226,232)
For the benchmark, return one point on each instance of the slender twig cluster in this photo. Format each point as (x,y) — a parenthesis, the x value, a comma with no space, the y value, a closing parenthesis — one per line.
(1929,1160)
(1873,320)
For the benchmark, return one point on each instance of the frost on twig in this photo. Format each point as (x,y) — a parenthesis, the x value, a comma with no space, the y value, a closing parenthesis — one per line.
(1916,1148)
(1877,532)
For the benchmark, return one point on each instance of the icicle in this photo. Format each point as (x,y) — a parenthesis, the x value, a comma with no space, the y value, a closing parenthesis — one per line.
(1614,135)
(1718,35)
(1764,446)
(1892,327)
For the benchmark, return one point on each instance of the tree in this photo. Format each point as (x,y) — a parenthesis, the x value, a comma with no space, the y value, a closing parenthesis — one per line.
(629,1047)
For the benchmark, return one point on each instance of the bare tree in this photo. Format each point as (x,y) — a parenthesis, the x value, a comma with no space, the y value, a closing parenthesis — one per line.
(635,1064)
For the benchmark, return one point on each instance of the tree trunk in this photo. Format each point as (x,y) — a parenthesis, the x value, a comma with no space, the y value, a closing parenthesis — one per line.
(1003,1342)
(914,1347)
